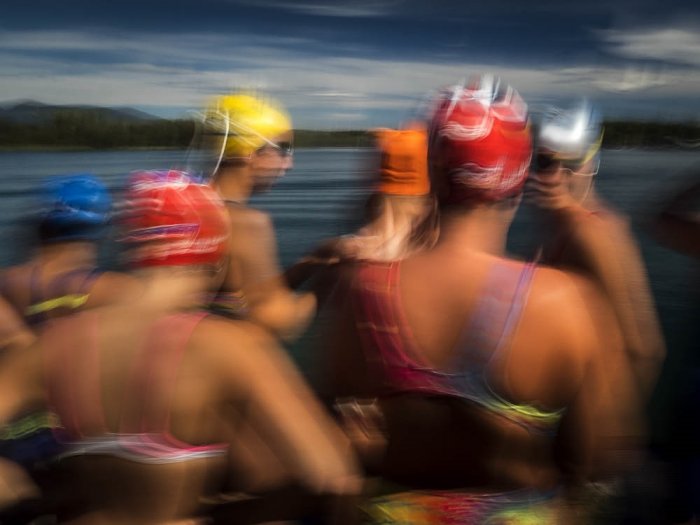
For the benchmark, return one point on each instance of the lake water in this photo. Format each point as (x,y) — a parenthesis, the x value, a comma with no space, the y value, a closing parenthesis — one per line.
(323,194)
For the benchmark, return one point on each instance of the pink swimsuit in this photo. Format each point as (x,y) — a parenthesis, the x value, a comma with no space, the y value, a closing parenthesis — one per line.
(390,349)
(75,393)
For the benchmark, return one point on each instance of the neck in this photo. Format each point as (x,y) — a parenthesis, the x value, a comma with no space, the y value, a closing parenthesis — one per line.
(170,289)
(591,201)
(73,254)
(233,183)
(483,228)
(399,215)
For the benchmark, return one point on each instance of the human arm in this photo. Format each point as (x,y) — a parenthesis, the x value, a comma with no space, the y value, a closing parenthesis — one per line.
(599,242)
(254,268)
(274,400)
(602,432)
(326,254)
(21,380)
(13,332)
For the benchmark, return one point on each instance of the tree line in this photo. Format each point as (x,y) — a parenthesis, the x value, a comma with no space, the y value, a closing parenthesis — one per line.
(91,130)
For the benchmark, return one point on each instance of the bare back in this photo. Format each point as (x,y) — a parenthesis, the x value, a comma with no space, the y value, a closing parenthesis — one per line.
(551,362)
(228,376)
(564,354)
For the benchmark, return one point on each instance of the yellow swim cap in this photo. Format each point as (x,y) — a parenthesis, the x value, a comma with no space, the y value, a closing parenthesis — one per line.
(244,123)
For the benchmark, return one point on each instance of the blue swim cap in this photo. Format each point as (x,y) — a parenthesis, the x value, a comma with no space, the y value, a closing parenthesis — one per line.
(73,207)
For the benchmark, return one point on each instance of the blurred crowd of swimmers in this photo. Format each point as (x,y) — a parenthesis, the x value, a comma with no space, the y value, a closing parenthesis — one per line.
(459,384)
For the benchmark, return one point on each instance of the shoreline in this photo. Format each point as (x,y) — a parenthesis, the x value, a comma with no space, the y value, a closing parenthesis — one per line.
(86,149)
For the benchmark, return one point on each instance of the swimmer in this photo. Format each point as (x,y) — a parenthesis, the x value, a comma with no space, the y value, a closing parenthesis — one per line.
(403,203)
(164,393)
(63,277)
(502,386)
(250,138)
(401,212)
(588,235)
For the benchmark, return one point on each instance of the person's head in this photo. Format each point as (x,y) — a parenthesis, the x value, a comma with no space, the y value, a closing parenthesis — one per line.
(249,132)
(570,140)
(172,221)
(399,214)
(73,208)
(480,144)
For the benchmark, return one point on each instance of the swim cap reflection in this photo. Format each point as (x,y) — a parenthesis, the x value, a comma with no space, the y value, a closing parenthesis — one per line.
(480,142)
(171,220)
(244,123)
(73,207)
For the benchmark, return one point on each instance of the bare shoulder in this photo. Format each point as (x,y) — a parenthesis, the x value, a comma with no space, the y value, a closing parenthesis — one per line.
(240,357)
(14,274)
(112,287)
(117,278)
(563,290)
(565,326)
(251,228)
(244,332)
(249,218)
(573,311)
(225,340)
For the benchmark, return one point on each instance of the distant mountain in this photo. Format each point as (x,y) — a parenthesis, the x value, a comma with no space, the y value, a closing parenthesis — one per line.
(36,113)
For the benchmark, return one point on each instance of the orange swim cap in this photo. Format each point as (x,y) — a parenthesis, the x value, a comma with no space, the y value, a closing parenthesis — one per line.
(404,164)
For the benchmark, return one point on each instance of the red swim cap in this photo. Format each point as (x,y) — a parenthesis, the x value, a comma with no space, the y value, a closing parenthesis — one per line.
(480,142)
(172,220)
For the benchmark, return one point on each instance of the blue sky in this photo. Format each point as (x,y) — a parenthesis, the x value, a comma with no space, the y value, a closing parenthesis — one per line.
(351,63)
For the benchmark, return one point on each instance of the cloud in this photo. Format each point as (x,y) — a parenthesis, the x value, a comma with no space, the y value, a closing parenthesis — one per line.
(631,79)
(672,45)
(340,9)
(182,70)
(180,46)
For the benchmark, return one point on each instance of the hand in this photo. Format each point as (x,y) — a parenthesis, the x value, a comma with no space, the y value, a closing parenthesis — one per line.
(549,191)
(363,423)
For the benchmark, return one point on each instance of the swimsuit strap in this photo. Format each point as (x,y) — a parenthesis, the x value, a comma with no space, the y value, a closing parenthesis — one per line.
(76,397)
(155,372)
(60,293)
(61,282)
(378,319)
(35,297)
(487,335)
(385,334)
(496,315)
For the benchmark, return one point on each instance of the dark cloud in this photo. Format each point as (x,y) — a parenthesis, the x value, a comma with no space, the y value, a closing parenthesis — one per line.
(219,39)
